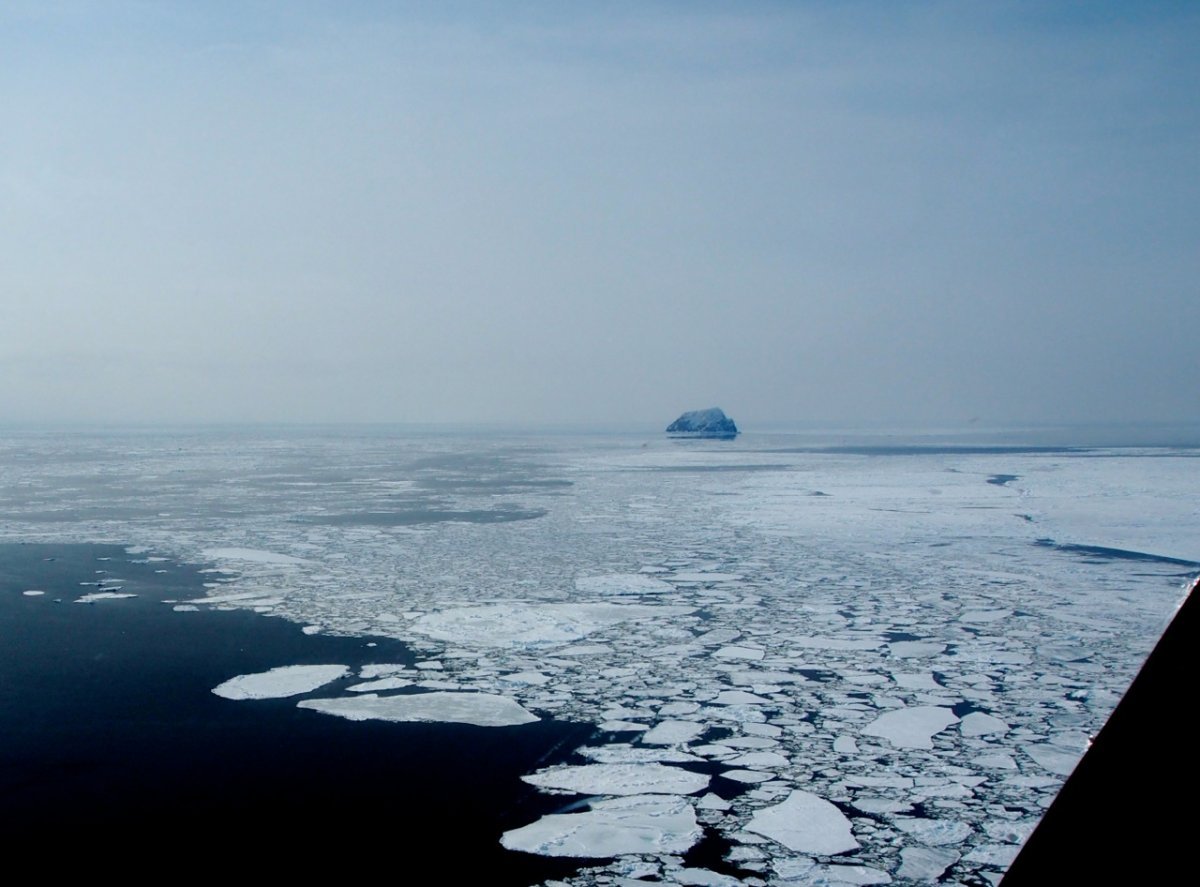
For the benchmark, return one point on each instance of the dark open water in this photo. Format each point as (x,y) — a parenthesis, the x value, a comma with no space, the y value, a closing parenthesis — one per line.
(112,745)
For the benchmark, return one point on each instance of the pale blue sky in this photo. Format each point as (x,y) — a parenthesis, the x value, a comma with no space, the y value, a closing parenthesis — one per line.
(553,212)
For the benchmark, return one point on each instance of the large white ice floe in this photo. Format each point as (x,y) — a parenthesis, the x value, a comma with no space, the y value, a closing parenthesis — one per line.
(287,680)
(480,709)
(911,727)
(619,779)
(533,625)
(639,824)
(805,823)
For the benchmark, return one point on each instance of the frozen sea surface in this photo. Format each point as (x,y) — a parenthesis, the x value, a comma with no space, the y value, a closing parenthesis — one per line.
(882,662)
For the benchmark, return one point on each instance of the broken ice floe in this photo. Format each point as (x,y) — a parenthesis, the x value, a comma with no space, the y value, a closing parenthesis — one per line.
(103,596)
(805,823)
(619,779)
(622,584)
(655,824)
(829,613)
(934,832)
(529,625)
(911,727)
(925,863)
(287,680)
(251,555)
(479,709)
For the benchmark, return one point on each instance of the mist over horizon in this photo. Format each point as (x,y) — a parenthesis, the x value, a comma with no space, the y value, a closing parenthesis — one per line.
(817,214)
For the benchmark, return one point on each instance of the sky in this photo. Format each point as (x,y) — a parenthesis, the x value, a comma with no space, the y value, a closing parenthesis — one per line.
(555,213)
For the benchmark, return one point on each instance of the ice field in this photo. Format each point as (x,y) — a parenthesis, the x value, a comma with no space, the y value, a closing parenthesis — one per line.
(855,665)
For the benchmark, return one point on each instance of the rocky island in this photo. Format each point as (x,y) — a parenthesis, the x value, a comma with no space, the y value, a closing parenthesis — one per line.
(704,423)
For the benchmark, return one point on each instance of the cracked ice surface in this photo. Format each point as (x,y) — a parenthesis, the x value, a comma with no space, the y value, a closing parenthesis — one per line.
(699,602)
(654,824)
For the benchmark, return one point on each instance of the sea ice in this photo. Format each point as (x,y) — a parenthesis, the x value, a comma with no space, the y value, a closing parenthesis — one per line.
(979,724)
(911,727)
(287,680)
(479,709)
(251,555)
(694,877)
(1054,758)
(103,596)
(673,733)
(622,583)
(532,625)
(640,824)
(738,697)
(393,683)
(805,823)
(934,832)
(619,779)
(925,863)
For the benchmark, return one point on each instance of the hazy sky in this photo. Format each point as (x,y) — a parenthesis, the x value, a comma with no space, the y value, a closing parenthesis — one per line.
(563,212)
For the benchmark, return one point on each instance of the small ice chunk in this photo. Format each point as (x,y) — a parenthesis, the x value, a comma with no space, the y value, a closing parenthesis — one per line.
(748,776)
(738,697)
(619,779)
(758,759)
(33,592)
(979,724)
(735,652)
(934,832)
(673,733)
(627,754)
(533,678)
(805,823)
(480,709)
(809,642)
(393,683)
(103,596)
(381,669)
(278,683)
(622,727)
(911,727)
(924,863)
(712,802)
(682,707)
(651,825)
(880,805)
(915,649)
